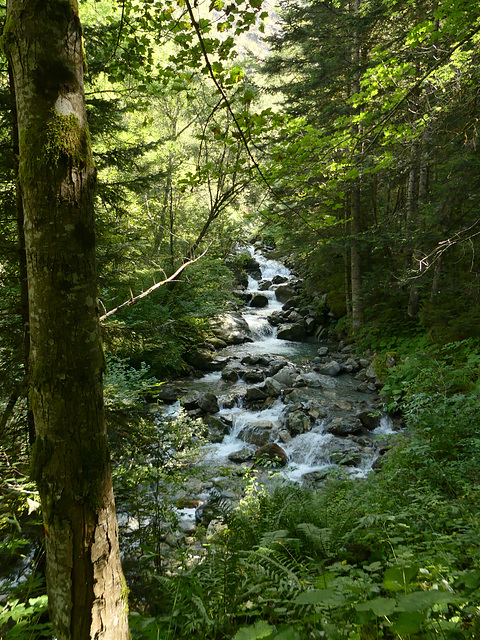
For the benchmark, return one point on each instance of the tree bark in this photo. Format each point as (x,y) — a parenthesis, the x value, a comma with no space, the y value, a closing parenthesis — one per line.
(70,461)
(355,225)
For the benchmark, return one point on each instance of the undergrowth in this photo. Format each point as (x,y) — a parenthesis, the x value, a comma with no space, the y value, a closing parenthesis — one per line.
(393,556)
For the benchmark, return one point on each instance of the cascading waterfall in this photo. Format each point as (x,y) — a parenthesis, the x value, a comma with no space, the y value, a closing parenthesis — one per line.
(309,451)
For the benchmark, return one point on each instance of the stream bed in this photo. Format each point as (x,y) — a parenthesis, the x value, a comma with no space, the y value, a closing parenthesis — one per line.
(310,401)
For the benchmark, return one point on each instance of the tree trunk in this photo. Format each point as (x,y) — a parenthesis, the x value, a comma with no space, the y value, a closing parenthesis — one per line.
(70,462)
(355,257)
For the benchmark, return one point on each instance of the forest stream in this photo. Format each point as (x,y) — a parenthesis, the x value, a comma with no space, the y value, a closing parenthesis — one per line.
(304,397)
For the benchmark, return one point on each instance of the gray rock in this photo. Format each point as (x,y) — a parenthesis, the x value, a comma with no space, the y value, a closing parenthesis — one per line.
(371,373)
(233,372)
(203,360)
(344,452)
(367,387)
(343,427)
(322,351)
(298,422)
(271,453)
(368,421)
(258,433)
(265,285)
(190,401)
(231,327)
(208,402)
(310,325)
(286,376)
(284,292)
(332,368)
(254,376)
(273,388)
(256,393)
(294,332)
(242,455)
(259,300)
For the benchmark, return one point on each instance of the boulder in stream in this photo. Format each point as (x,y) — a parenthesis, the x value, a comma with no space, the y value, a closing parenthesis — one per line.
(231,327)
(343,427)
(284,292)
(271,454)
(294,332)
(258,433)
(259,300)
(332,368)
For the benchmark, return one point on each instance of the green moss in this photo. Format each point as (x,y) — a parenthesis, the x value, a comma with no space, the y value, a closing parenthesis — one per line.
(65,138)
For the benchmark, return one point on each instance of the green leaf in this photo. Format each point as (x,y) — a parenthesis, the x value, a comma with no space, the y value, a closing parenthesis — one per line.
(260,629)
(379,606)
(408,623)
(326,597)
(397,578)
(420,600)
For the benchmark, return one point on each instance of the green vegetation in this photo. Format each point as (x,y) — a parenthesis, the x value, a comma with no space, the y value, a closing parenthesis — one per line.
(392,556)
(347,139)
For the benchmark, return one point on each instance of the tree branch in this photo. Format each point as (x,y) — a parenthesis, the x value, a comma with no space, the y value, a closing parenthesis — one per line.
(144,294)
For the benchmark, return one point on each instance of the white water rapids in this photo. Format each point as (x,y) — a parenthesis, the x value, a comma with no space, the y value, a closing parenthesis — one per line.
(308,452)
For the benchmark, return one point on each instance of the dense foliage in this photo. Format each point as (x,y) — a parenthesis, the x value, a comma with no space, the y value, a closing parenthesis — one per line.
(352,147)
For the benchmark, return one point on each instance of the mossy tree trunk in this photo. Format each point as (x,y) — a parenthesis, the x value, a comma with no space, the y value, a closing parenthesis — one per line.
(42,39)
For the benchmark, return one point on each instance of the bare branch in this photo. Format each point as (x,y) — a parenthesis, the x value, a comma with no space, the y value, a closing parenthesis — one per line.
(144,294)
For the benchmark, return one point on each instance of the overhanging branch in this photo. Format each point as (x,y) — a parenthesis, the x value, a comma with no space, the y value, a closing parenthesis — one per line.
(144,294)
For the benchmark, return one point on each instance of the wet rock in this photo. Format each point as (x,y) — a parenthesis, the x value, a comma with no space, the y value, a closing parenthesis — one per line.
(367,387)
(203,360)
(276,367)
(310,325)
(368,420)
(284,292)
(298,422)
(294,332)
(190,401)
(343,427)
(286,376)
(294,317)
(256,393)
(254,376)
(208,402)
(277,317)
(344,452)
(371,373)
(314,380)
(258,301)
(256,360)
(231,327)
(233,372)
(245,296)
(273,388)
(284,436)
(322,351)
(258,433)
(317,478)
(265,285)
(168,393)
(242,455)
(271,454)
(332,368)
(217,429)
(351,365)
(278,279)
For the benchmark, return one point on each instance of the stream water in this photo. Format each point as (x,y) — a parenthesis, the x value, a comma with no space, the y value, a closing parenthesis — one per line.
(314,451)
